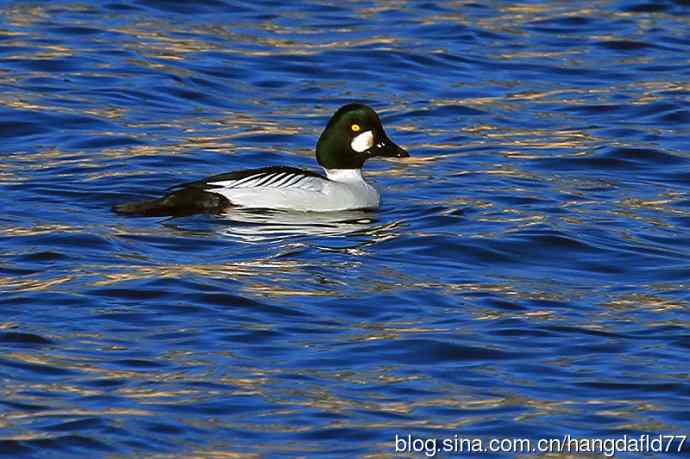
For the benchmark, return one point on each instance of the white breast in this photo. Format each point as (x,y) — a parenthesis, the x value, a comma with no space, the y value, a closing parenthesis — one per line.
(345,189)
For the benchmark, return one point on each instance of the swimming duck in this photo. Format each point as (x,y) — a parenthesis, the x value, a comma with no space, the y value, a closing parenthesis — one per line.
(353,135)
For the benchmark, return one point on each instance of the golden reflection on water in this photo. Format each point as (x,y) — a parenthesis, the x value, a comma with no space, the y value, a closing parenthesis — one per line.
(389,331)
(37,230)
(31,285)
(643,301)
(24,16)
(44,52)
(535,138)
(13,100)
(109,113)
(663,203)
(73,412)
(233,271)
(156,40)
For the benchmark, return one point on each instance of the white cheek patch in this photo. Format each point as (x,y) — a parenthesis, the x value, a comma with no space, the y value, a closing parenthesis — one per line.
(363,142)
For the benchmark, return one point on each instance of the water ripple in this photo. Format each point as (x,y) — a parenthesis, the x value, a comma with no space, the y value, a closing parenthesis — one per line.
(526,276)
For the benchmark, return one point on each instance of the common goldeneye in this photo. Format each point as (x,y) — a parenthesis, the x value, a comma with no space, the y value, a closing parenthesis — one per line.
(353,135)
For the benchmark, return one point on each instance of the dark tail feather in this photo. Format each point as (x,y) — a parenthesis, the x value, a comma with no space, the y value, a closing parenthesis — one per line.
(151,208)
(176,204)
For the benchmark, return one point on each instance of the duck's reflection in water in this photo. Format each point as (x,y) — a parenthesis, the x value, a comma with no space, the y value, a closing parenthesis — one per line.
(260,225)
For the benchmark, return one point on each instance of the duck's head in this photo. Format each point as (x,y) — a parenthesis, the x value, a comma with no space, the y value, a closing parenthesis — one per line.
(353,135)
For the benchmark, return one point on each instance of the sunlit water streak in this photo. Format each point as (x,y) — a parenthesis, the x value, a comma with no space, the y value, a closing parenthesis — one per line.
(526,276)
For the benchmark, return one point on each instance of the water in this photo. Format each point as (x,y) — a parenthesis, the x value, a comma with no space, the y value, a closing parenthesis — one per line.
(526,277)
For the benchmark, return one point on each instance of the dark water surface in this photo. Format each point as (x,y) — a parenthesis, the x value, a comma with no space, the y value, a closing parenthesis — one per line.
(526,277)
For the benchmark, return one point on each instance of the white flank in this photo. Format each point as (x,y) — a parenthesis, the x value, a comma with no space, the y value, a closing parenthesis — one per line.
(363,142)
(345,189)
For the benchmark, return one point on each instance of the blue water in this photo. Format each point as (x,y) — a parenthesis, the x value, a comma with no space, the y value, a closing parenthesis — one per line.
(527,275)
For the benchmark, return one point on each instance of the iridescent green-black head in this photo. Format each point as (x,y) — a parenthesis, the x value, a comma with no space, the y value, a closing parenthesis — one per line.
(353,135)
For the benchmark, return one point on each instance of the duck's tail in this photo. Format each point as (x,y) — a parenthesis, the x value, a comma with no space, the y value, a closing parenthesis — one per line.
(150,208)
(176,204)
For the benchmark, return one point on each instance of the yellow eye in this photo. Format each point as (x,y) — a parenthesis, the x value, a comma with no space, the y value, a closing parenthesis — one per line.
(355,128)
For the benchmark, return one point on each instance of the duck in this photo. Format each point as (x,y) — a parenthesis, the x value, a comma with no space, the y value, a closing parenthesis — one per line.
(353,135)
